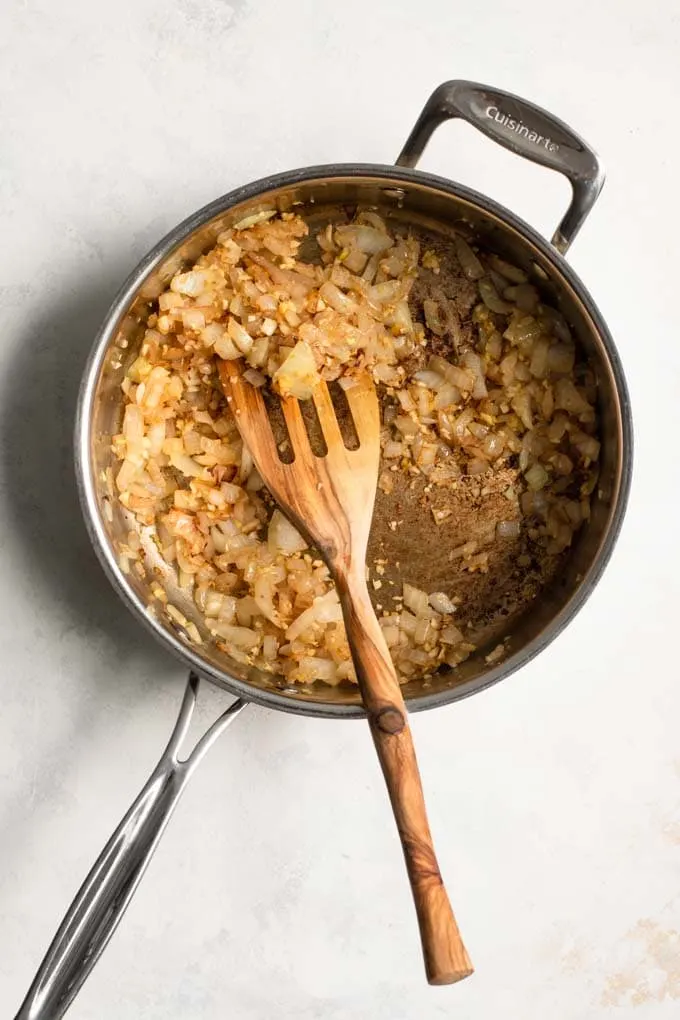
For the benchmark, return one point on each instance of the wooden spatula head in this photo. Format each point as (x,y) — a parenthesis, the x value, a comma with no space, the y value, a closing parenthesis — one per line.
(330,497)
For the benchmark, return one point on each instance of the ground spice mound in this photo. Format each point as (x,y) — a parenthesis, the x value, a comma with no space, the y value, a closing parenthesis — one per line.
(431,523)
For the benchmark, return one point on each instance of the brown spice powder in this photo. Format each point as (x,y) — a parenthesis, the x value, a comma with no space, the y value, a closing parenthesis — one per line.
(418,550)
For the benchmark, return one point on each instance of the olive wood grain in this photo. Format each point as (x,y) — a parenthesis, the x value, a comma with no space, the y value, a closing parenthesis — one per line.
(330,499)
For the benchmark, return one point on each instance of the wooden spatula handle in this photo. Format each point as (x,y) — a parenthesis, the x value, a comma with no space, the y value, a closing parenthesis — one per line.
(446,959)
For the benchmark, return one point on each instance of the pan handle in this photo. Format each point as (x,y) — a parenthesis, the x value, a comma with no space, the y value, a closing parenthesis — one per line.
(101,901)
(523,128)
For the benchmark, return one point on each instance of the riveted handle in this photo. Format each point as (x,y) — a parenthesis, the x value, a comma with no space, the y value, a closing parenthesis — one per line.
(524,129)
(101,901)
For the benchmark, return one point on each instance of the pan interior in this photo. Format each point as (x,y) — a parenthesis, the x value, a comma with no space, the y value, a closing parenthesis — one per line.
(432,213)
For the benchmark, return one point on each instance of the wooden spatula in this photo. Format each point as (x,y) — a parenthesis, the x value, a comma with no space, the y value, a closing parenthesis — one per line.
(330,499)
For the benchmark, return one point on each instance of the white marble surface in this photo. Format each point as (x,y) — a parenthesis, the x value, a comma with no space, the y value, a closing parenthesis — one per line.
(555,798)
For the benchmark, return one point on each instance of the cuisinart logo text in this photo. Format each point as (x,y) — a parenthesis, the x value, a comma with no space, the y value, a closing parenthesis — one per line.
(505,120)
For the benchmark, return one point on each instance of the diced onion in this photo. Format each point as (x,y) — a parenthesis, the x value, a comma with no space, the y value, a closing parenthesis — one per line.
(325,609)
(392,450)
(255,378)
(239,335)
(451,635)
(508,529)
(470,264)
(241,637)
(433,380)
(298,375)
(537,477)
(283,536)
(490,297)
(415,599)
(441,603)
(366,239)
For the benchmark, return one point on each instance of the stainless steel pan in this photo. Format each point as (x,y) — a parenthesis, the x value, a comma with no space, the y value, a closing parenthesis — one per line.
(421,200)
